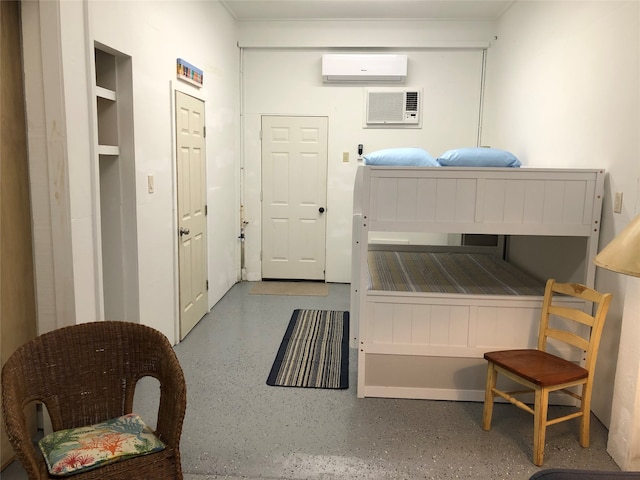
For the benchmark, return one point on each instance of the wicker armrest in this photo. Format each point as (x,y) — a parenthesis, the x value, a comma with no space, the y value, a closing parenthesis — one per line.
(173,400)
(14,387)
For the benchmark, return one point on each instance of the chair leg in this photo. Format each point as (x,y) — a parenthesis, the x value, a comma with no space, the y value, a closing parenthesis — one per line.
(487,412)
(540,424)
(585,421)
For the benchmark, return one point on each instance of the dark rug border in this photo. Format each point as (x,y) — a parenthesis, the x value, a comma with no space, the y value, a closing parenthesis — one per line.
(344,361)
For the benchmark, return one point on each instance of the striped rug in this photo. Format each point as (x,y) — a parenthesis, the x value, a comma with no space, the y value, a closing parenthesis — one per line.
(314,352)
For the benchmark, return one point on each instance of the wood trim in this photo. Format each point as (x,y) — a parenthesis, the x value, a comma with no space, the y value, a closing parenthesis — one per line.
(17,304)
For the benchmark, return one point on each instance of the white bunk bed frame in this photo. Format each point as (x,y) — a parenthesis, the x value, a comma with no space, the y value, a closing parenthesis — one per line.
(431,345)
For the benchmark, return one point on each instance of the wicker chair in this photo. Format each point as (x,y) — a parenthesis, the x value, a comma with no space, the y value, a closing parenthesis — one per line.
(86,374)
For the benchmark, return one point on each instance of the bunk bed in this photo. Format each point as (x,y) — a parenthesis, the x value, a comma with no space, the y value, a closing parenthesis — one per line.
(420,320)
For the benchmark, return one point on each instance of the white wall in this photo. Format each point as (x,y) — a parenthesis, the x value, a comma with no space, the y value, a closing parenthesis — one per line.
(562,91)
(282,76)
(154,34)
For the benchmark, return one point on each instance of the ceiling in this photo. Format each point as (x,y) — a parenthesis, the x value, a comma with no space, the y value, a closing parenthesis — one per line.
(244,10)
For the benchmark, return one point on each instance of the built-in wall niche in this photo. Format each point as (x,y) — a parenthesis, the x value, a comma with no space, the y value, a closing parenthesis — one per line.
(106,102)
(116,184)
(105,70)
(107,124)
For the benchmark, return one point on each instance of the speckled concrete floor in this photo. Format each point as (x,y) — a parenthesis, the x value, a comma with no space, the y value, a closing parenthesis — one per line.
(237,427)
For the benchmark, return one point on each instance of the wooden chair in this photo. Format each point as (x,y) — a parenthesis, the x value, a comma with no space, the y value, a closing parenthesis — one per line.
(542,372)
(86,374)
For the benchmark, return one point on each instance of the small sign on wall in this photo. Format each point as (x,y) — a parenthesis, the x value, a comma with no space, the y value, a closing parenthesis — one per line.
(189,73)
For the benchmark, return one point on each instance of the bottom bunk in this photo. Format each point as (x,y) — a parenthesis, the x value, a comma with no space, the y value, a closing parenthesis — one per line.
(427,318)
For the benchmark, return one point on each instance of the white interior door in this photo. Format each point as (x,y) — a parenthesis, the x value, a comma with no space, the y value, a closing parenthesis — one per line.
(294,196)
(192,224)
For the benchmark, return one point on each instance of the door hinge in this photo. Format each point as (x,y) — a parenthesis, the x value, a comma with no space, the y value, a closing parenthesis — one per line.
(204,131)
(207,284)
(206,210)
(260,134)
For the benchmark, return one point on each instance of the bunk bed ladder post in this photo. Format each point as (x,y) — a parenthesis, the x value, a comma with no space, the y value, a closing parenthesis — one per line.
(592,240)
(363,238)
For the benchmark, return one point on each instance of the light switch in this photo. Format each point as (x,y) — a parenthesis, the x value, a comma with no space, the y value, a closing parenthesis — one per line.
(345,156)
(150,185)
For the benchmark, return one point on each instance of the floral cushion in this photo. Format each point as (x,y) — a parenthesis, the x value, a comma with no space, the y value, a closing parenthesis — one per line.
(79,449)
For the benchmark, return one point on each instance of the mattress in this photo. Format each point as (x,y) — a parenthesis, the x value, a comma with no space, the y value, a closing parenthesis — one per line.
(442,272)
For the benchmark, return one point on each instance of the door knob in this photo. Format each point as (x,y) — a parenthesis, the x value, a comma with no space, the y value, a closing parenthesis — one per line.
(321,209)
(184,231)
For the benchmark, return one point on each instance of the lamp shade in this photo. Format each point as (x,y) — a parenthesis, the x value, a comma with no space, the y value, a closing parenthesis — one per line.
(622,255)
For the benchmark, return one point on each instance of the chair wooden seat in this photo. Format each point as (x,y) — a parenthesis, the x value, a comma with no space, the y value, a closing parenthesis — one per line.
(541,372)
(537,366)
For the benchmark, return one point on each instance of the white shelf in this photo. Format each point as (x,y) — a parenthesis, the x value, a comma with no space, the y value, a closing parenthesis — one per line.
(108,150)
(105,93)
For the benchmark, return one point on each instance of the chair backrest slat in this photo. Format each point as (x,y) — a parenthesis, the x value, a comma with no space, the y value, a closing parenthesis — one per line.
(572,314)
(569,338)
(577,290)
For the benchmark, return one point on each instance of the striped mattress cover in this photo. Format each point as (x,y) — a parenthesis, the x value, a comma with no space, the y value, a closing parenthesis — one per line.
(441,272)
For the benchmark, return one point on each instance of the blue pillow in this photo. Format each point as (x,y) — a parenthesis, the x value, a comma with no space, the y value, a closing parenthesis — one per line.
(398,157)
(478,157)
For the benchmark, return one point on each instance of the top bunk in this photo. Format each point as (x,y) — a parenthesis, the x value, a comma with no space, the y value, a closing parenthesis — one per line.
(472,200)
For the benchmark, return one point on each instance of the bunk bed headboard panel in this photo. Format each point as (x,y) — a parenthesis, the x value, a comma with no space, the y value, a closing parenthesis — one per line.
(483,200)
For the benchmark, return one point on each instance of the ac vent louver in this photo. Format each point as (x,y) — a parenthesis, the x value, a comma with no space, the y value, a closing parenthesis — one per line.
(412,102)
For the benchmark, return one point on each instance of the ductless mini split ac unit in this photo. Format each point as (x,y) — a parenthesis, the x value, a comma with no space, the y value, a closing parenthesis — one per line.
(364,68)
(393,107)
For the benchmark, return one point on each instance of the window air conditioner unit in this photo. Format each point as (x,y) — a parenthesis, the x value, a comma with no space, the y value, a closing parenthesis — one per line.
(393,107)
(364,68)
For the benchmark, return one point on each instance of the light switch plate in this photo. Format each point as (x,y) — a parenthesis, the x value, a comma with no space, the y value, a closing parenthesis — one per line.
(617,203)
(345,156)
